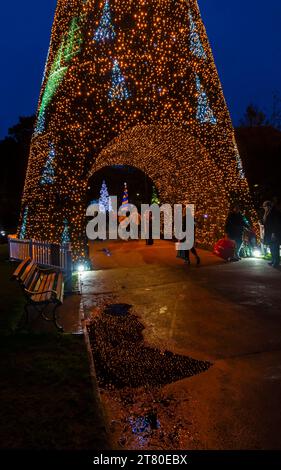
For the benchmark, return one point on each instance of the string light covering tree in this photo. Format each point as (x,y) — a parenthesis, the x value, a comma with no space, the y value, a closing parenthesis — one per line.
(131,83)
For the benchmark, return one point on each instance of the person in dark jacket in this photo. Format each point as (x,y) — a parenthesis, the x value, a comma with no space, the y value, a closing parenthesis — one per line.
(234,227)
(185,254)
(272,231)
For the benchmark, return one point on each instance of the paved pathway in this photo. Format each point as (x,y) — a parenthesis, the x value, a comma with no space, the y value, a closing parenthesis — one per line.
(228,314)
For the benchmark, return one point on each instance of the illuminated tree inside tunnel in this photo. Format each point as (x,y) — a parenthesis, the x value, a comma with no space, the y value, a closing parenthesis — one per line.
(140,78)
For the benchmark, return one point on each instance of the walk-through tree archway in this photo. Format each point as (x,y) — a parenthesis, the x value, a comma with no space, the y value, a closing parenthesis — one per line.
(123,75)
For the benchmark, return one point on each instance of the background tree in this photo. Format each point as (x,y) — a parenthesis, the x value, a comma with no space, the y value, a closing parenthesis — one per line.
(14,151)
(275,119)
(259,143)
(253,117)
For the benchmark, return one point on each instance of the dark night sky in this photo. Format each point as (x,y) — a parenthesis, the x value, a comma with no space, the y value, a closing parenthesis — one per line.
(245,36)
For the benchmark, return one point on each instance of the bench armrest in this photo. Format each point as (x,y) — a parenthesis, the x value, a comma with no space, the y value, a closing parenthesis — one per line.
(49,270)
(30,292)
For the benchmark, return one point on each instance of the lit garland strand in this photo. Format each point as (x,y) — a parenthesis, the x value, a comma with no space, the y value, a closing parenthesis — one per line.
(239,161)
(105,31)
(45,69)
(121,77)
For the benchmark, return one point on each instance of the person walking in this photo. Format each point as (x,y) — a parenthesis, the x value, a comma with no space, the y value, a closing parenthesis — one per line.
(234,228)
(185,254)
(272,231)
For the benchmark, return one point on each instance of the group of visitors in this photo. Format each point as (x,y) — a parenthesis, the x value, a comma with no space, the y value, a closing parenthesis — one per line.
(240,233)
(241,239)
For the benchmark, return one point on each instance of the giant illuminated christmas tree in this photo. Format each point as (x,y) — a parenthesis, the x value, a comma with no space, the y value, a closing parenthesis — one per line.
(130,83)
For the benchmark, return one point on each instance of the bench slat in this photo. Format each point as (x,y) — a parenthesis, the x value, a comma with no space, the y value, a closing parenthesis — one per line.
(20,268)
(49,286)
(26,271)
(41,287)
(37,285)
(28,279)
(37,278)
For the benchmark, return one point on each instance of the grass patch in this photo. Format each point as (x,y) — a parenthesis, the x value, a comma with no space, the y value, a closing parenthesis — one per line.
(46,395)
(11,298)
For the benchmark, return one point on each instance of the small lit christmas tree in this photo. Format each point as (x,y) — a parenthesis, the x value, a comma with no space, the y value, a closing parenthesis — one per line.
(23,225)
(105,31)
(125,197)
(154,198)
(204,111)
(104,199)
(118,90)
(48,172)
(65,238)
(196,46)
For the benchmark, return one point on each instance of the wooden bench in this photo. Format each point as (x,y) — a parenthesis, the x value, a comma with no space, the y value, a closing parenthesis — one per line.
(41,287)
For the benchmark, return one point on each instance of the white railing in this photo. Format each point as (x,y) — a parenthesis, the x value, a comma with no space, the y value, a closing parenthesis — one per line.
(43,253)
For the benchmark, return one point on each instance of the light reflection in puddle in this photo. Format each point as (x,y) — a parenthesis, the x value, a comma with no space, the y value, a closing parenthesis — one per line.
(143,426)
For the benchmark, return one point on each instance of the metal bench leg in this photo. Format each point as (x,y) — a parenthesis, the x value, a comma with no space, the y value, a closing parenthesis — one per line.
(59,327)
(42,313)
(54,318)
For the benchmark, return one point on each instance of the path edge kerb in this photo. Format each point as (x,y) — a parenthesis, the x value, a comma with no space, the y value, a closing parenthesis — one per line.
(93,375)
